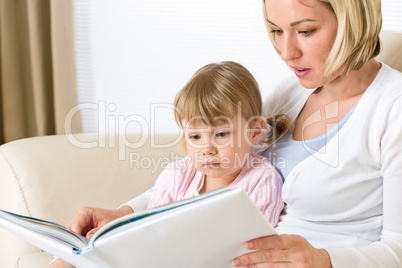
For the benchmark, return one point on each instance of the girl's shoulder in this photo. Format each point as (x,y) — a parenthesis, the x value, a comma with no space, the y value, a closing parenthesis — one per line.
(257,174)
(260,166)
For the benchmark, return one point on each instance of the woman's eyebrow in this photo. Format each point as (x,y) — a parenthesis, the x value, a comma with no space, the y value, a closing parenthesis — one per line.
(293,23)
(300,21)
(270,22)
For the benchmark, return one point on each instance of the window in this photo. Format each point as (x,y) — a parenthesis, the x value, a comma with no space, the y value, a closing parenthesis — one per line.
(134,56)
(392,15)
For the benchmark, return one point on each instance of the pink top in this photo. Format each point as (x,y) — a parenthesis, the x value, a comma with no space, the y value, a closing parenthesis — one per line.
(258,178)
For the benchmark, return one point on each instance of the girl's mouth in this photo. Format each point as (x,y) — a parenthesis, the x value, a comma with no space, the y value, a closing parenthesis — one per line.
(211,164)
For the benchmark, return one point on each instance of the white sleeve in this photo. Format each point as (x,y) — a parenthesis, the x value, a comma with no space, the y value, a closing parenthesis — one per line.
(386,253)
(140,202)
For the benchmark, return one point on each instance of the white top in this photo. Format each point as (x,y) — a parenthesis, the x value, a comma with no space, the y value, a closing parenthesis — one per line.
(348,195)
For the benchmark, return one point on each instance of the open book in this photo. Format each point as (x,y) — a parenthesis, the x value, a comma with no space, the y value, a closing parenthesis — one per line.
(208,230)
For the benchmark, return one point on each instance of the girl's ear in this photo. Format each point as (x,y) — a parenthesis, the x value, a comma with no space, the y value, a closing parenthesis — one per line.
(257,129)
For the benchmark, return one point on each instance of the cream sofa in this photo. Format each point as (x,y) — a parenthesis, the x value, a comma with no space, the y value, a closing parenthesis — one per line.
(52,177)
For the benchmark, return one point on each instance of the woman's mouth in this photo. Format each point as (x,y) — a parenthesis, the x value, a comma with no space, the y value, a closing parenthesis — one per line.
(301,72)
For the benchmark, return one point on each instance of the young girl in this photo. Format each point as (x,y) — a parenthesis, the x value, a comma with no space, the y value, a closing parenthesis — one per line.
(219,110)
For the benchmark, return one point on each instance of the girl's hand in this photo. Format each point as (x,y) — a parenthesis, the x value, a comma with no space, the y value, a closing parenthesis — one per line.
(58,263)
(88,220)
(283,251)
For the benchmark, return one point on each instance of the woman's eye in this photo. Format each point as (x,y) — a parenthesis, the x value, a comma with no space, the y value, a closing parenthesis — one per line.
(277,32)
(222,134)
(306,33)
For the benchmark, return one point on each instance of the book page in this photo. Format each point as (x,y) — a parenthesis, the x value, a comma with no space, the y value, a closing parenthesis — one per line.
(50,229)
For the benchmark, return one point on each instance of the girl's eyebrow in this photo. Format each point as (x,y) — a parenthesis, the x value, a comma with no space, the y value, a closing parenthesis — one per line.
(293,23)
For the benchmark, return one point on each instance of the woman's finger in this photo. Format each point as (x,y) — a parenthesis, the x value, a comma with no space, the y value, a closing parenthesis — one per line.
(277,242)
(268,257)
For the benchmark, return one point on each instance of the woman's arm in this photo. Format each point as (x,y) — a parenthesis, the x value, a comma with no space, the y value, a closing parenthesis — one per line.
(387,252)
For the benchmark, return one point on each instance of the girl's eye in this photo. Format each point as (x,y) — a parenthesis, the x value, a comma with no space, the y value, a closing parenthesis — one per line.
(195,137)
(222,134)
(306,33)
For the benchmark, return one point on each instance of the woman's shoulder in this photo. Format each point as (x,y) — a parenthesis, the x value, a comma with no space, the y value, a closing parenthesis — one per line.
(387,86)
(390,75)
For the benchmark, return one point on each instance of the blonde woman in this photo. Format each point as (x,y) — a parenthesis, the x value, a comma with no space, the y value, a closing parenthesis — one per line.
(343,176)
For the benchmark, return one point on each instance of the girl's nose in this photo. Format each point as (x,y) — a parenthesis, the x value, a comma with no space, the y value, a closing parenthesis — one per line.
(210,149)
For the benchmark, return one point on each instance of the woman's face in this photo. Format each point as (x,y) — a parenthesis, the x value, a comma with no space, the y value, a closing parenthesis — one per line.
(304,34)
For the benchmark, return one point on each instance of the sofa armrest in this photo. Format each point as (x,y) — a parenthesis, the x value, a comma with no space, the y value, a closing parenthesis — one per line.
(51,177)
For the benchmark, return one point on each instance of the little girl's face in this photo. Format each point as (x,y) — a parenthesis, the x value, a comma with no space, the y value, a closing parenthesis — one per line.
(221,151)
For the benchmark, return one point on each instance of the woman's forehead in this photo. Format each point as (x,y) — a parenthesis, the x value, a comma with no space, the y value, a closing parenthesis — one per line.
(291,12)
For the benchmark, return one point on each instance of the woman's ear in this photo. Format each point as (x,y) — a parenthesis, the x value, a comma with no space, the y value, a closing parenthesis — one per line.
(257,128)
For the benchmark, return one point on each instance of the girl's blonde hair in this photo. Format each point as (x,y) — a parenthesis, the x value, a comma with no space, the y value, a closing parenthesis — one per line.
(357,40)
(220,90)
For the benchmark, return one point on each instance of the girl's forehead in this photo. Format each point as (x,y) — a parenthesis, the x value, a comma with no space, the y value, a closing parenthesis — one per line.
(221,121)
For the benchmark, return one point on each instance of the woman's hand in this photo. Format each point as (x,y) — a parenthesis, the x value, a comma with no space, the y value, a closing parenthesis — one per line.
(88,220)
(283,251)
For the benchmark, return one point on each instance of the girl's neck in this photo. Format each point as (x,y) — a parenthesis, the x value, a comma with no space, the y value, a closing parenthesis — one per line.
(215,183)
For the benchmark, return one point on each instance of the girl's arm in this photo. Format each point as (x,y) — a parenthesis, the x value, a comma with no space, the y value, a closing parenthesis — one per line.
(140,202)
(59,263)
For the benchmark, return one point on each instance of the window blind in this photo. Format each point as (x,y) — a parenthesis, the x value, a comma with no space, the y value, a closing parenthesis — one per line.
(392,15)
(133,56)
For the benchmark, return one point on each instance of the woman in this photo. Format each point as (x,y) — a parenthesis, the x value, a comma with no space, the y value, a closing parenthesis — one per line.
(343,174)
(341,163)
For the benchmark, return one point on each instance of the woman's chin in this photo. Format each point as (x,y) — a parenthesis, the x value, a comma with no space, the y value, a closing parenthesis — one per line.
(309,84)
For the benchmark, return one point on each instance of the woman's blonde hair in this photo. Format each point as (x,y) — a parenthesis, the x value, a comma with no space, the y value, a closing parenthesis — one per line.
(357,40)
(219,90)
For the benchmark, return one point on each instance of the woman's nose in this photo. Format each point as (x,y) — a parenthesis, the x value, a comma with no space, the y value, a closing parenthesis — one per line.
(289,49)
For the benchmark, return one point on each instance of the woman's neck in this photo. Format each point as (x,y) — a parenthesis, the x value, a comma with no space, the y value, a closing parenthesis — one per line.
(351,85)
(330,103)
